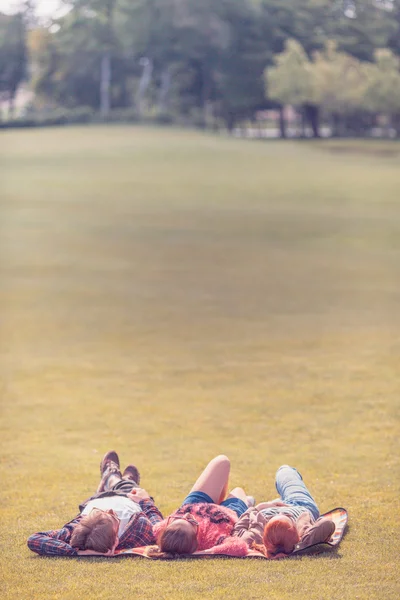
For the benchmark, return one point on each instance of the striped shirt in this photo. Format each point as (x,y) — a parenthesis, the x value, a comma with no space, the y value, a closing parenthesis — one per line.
(293,512)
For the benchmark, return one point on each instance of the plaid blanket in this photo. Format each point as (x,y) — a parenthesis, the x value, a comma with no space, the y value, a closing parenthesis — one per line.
(338,515)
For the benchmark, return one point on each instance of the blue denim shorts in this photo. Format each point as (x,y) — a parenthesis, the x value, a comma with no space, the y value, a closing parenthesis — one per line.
(235,504)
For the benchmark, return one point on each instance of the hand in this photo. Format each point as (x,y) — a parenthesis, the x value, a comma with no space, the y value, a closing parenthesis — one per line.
(138,494)
(278,503)
(270,504)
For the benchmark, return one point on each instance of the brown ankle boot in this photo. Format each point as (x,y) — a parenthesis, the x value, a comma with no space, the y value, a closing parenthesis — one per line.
(131,472)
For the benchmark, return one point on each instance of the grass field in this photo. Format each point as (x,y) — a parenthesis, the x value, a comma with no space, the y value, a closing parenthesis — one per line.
(175,295)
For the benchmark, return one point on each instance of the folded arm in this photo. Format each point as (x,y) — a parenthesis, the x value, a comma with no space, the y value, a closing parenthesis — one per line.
(151,511)
(53,543)
(140,530)
(250,526)
(270,504)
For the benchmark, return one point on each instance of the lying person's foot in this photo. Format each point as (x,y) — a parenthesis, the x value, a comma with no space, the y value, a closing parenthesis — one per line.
(110,457)
(251,501)
(131,473)
(108,466)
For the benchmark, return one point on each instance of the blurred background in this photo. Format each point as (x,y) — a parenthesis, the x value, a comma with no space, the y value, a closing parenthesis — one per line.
(259,68)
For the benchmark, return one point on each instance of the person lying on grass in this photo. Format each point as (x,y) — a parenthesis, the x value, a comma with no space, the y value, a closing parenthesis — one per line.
(278,527)
(119,516)
(205,519)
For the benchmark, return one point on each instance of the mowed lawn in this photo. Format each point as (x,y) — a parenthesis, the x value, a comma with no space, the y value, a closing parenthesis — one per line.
(176,295)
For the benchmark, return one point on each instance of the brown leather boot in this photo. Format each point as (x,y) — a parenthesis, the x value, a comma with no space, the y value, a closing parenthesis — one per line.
(131,472)
(108,466)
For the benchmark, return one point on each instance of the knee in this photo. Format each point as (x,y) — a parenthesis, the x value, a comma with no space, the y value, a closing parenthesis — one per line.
(237,491)
(284,467)
(221,459)
(289,468)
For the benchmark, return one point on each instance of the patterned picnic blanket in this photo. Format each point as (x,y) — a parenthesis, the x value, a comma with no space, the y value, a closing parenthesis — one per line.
(338,515)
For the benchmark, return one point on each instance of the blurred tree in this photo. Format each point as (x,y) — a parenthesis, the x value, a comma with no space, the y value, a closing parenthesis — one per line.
(301,20)
(79,61)
(339,84)
(394,40)
(360,26)
(101,15)
(13,55)
(239,72)
(292,81)
(44,62)
(205,59)
(382,93)
(148,34)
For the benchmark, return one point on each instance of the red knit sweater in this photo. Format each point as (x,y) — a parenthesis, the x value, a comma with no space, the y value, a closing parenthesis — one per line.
(215,528)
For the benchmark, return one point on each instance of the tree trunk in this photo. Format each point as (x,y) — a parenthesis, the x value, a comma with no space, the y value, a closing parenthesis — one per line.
(396,124)
(312,115)
(105,85)
(164,91)
(230,121)
(144,83)
(209,114)
(11,104)
(303,122)
(205,95)
(335,125)
(282,123)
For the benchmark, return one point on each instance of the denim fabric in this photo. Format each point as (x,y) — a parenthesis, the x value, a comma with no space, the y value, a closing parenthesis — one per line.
(292,490)
(198,497)
(234,504)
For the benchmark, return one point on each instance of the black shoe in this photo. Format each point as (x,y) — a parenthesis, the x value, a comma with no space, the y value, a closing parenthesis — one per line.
(132,473)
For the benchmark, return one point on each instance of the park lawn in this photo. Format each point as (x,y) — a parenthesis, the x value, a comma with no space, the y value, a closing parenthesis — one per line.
(175,295)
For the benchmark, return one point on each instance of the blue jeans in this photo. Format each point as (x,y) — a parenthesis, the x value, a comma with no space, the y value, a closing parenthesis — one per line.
(290,486)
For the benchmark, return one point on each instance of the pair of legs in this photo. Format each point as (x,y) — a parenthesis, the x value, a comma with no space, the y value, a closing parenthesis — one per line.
(212,486)
(292,490)
(111,477)
(112,480)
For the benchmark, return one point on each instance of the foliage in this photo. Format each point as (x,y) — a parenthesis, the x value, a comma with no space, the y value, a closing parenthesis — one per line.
(336,82)
(180,58)
(382,93)
(360,26)
(13,54)
(339,80)
(291,80)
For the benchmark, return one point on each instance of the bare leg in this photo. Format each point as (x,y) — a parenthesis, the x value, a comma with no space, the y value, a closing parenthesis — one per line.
(214,479)
(239,493)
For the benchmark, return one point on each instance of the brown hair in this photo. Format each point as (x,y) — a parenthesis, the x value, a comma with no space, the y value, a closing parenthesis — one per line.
(279,537)
(95,531)
(174,540)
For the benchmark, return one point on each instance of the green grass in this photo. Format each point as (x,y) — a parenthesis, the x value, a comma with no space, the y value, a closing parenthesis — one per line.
(175,295)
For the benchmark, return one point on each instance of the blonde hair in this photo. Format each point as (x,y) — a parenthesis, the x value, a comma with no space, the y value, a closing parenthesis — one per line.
(95,531)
